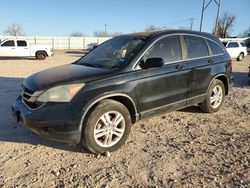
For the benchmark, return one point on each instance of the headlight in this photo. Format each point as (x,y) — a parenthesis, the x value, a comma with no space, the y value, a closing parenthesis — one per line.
(62,93)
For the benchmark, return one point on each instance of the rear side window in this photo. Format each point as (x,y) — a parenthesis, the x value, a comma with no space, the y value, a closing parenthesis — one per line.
(216,49)
(168,48)
(243,44)
(21,43)
(233,45)
(9,43)
(196,47)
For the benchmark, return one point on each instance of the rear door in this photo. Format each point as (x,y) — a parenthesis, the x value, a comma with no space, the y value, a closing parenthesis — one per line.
(22,48)
(201,56)
(163,87)
(197,59)
(8,48)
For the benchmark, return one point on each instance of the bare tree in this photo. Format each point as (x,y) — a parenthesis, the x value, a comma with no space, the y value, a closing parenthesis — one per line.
(77,34)
(14,30)
(152,28)
(225,24)
(245,33)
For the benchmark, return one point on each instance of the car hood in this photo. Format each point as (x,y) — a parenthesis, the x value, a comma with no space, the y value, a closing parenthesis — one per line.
(63,75)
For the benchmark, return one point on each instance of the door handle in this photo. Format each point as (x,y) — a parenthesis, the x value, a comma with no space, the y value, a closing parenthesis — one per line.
(210,61)
(13,48)
(179,66)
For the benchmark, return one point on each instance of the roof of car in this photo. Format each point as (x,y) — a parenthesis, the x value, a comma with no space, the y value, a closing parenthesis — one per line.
(153,34)
(156,34)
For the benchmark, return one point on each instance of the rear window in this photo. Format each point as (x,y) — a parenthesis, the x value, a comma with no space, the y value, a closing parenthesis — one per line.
(9,43)
(196,47)
(233,45)
(21,43)
(243,44)
(215,48)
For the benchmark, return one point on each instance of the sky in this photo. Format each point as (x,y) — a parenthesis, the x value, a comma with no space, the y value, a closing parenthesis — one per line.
(62,17)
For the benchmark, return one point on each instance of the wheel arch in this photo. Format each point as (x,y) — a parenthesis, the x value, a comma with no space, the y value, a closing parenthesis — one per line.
(124,99)
(224,79)
(42,51)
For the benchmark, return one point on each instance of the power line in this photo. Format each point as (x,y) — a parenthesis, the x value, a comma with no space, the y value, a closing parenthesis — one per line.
(204,7)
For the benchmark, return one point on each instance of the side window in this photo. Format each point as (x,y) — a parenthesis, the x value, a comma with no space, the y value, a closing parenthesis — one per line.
(216,49)
(196,47)
(233,45)
(9,43)
(21,43)
(168,48)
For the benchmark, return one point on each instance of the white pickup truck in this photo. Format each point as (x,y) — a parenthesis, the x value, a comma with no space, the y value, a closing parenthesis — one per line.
(21,48)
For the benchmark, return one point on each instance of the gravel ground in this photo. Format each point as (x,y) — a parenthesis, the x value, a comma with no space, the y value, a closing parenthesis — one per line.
(185,148)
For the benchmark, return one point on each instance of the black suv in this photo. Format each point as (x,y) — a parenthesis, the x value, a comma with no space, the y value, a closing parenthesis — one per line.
(95,100)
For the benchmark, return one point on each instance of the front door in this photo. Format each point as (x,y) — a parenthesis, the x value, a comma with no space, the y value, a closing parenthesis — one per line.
(163,88)
(8,48)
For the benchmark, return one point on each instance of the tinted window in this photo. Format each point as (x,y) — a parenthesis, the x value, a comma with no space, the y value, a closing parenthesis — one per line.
(21,43)
(233,45)
(243,44)
(216,49)
(9,43)
(196,47)
(168,48)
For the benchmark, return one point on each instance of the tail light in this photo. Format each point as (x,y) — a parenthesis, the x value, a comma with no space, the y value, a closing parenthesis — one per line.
(230,65)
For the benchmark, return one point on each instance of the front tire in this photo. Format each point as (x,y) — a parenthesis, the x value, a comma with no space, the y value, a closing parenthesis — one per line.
(215,97)
(107,127)
(240,57)
(41,55)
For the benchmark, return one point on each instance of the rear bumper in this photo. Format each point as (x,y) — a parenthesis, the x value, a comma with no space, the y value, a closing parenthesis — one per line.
(43,122)
(231,79)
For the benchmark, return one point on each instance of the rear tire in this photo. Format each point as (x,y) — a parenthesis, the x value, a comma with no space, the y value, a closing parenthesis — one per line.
(41,55)
(240,57)
(107,127)
(215,97)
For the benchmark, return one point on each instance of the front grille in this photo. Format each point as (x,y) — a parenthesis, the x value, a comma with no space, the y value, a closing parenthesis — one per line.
(26,93)
(29,100)
(32,105)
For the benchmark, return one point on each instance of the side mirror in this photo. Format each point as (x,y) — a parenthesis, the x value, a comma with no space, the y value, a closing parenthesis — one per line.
(152,63)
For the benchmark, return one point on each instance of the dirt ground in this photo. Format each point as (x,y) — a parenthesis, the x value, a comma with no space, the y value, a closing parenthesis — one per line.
(185,148)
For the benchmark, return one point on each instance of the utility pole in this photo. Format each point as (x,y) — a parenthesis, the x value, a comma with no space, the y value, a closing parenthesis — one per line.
(105,29)
(202,13)
(191,22)
(204,7)
(217,17)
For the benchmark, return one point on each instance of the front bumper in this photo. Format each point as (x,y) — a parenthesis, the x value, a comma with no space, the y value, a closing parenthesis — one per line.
(53,121)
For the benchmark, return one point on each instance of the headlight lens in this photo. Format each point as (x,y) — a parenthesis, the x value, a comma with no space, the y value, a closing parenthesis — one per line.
(62,93)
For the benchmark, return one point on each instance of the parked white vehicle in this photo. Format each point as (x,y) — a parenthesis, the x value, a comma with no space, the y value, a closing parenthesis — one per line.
(236,49)
(21,48)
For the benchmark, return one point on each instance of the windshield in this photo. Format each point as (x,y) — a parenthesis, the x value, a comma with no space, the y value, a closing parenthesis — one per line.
(114,53)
